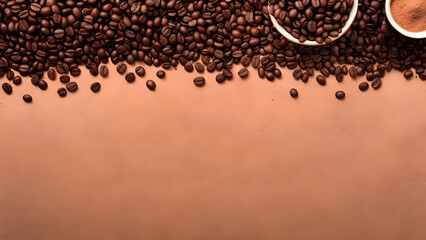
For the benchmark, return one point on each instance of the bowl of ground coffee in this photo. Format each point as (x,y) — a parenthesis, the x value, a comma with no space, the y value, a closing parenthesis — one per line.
(312,22)
(407,17)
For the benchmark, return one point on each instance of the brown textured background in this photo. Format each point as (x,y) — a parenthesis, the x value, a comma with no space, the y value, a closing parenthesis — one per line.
(240,160)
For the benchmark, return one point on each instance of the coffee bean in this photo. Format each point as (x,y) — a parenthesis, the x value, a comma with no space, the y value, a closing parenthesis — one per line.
(255,62)
(211,66)
(321,80)
(270,76)
(363,86)
(95,87)
(261,72)
(17,80)
(189,67)
(121,68)
(10,75)
(408,74)
(294,93)
(340,94)
(93,69)
(27,98)
(277,73)
(72,86)
(64,79)
(62,92)
(199,67)
(130,77)
(42,84)
(228,74)
(243,72)
(35,80)
(376,83)
(297,74)
(7,88)
(161,74)
(151,85)
(103,71)
(76,72)
(353,72)
(140,71)
(199,81)
(51,74)
(245,61)
(220,78)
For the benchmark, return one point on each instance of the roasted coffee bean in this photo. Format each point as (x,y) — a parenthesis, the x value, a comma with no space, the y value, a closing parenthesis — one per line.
(270,76)
(297,74)
(363,86)
(408,74)
(64,79)
(35,80)
(220,78)
(228,74)
(42,84)
(243,73)
(121,68)
(199,81)
(95,87)
(17,80)
(321,80)
(189,67)
(339,77)
(62,92)
(151,85)
(376,83)
(7,88)
(294,93)
(161,74)
(255,62)
(305,77)
(72,86)
(51,74)
(199,67)
(277,73)
(10,75)
(353,72)
(27,98)
(245,61)
(211,67)
(103,71)
(140,71)
(93,69)
(130,77)
(261,72)
(340,94)
(76,72)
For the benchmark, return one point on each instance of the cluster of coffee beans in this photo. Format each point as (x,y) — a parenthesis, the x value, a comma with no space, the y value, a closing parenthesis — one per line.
(38,35)
(314,20)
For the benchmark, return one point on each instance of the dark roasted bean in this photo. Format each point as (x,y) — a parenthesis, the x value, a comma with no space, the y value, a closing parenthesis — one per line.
(199,81)
(95,87)
(151,85)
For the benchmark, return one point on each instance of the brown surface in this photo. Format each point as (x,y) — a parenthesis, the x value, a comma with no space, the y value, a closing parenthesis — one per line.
(235,161)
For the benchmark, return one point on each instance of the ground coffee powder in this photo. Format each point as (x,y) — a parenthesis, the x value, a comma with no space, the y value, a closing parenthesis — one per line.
(410,14)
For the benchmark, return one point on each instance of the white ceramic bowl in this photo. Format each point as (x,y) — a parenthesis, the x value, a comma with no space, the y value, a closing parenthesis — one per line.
(417,35)
(345,28)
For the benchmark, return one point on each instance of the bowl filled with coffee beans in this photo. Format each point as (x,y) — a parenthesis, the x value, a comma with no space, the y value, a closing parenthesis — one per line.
(312,22)
(408,17)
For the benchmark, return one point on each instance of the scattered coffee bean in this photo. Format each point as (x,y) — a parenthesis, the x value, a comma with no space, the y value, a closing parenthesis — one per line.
(189,67)
(294,93)
(140,71)
(305,77)
(17,80)
(321,80)
(408,74)
(151,85)
(27,98)
(76,72)
(35,80)
(72,86)
(228,74)
(261,72)
(353,72)
(130,77)
(255,62)
(7,88)
(340,94)
(64,79)
(10,75)
(103,71)
(199,81)
(220,78)
(270,76)
(297,74)
(121,68)
(363,86)
(199,67)
(42,84)
(376,83)
(161,74)
(95,87)
(62,92)
(243,73)
(51,74)
(277,73)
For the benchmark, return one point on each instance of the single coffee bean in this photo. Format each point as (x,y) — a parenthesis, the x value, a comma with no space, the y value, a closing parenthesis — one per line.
(294,93)
(363,86)
(339,77)
(305,77)
(77,71)
(35,80)
(189,67)
(51,74)
(243,73)
(321,80)
(161,74)
(211,66)
(140,71)
(353,72)
(270,76)
(103,71)
(42,84)
(64,79)
(297,74)
(72,86)
(62,92)
(27,98)
(151,85)
(228,74)
(220,78)
(95,87)
(255,62)
(261,72)
(17,80)
(10,75)
(199,81)
(199,67)
(245,61)
(121,68)
(277,73)
(376,83)
(345,70)
(408,74)
(7,88)
(340,94)
(130,77)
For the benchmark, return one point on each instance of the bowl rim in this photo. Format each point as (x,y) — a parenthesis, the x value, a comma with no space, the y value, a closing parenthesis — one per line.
(280,29)
(416,35)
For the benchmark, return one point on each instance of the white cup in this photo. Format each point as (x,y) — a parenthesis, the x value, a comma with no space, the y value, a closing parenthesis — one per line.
(417,35)
(345,28)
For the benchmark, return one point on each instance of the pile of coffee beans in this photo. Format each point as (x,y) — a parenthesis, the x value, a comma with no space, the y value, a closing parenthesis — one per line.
(314,20)
(62,36)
